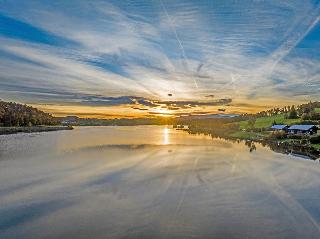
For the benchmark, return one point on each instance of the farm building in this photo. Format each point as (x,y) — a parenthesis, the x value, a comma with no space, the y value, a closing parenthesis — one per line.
(277,127)
(302,129)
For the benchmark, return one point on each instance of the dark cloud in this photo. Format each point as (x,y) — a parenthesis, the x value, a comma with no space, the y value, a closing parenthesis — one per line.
(43,95)
(141,101)
(90,115)
(241,104)
(199,75)
(199,67)
(192,113)
(138,108)
(209,116)
(195,103)
(120,100)
(173,108)
(109,101)
(146,102)
(32,94)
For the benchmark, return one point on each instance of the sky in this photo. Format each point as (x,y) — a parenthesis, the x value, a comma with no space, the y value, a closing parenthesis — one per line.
(147,58)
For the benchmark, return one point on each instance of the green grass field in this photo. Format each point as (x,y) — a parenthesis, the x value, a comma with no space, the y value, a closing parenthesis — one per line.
(316,146)
(317,110)
(265,122)
(249,135)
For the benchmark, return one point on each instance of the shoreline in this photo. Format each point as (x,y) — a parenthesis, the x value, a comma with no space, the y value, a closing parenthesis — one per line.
(277,145)
(284,145)
(32,129)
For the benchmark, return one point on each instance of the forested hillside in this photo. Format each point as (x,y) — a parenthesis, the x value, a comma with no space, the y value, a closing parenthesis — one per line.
(14,114)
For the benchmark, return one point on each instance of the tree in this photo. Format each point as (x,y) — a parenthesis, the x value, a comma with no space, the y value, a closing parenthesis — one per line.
(13,114)
(293,113)
(251,122)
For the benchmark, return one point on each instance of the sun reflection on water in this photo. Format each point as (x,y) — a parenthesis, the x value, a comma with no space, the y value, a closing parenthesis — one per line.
(166,137)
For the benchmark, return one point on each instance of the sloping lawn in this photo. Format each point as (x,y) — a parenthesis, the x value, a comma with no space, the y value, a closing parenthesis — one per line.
(249,135)
(265,122)
(244,135)
(316,146)
(317,110)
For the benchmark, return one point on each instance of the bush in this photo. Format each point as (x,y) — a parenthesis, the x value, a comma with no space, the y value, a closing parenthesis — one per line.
(293,114)
(315,122)
(256,130)
(311,116)
(278,135)
(315,139)
(294,136)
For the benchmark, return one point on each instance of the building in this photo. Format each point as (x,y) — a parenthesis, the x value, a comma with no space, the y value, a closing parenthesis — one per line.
(303,129)
(278,127)
(69,120)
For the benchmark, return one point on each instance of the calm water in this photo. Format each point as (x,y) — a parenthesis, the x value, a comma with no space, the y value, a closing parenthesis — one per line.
(152,182)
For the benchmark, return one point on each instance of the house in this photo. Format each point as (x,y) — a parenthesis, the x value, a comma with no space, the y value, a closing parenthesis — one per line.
(69,120)
(303,129)
(278,127)
(180,126)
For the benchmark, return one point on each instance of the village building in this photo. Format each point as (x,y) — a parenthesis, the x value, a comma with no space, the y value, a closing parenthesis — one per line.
(278,127)
(303,129)
(69,120)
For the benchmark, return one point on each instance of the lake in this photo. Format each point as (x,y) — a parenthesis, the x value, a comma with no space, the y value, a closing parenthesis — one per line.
(152,182)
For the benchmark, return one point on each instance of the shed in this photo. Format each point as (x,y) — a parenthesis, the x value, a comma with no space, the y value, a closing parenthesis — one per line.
(279,127)
(303,129)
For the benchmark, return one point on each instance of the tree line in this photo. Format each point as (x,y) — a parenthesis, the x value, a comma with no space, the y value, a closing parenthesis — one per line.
(14,114)
(303,111)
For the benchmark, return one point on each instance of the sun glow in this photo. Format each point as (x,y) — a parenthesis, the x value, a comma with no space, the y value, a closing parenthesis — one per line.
(163,112)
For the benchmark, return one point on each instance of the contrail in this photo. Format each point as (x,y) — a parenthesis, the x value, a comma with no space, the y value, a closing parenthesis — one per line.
(178,39)
(287,47)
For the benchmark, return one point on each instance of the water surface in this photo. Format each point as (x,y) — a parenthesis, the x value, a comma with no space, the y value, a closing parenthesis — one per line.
(152,182)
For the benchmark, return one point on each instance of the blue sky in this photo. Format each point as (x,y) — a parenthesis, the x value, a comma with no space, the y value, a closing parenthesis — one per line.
(251,54)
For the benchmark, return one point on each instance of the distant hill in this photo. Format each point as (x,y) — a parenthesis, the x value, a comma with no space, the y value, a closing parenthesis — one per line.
(76,121)
(14,114)
(209,116)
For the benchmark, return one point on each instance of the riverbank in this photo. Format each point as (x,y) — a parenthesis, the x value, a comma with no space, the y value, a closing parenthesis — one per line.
(32,129)
(285,145)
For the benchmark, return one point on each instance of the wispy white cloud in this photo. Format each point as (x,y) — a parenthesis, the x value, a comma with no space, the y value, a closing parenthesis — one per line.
(239,50)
